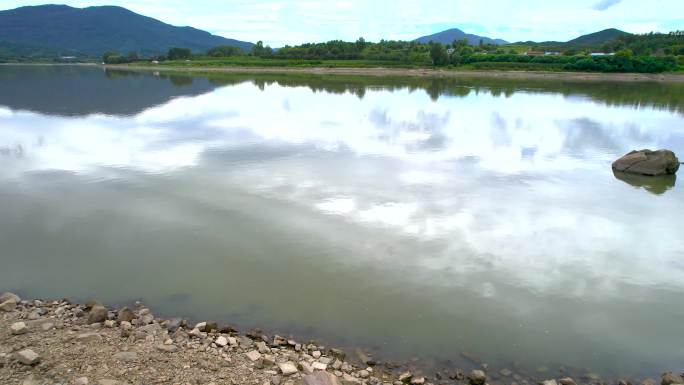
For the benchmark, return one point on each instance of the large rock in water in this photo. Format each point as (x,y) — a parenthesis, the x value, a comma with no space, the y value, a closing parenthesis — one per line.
(647,162)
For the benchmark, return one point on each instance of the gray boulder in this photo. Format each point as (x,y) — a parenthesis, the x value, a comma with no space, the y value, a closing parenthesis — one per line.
(647,162)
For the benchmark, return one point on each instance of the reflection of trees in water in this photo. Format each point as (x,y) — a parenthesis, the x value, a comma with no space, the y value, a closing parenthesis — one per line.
(659,95)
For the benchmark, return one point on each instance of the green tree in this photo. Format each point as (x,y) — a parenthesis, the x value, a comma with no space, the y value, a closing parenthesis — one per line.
(438,54)
(177,53)
(224,51)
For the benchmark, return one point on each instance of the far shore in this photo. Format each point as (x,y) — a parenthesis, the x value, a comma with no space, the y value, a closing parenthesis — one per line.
(419,72)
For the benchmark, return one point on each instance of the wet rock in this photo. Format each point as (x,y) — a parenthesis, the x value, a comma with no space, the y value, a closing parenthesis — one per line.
(670,378)
(338,353)
(97,314)
(287,368)
(649,381)
(207,327)
(8,305)
(548,382)
(405,377)
(27,357)
(364,373)
(7,296)
(364,358)
(18,328)
(505,372)
(647,162)
(125,314)
(92,303)
(126,356)
(477,377)
(623,382)
(173,324)
(567,381)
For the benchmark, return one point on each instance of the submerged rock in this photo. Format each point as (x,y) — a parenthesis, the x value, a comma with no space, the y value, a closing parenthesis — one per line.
(647,162)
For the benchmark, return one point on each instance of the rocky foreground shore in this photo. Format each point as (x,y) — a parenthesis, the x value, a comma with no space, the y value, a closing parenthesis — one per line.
(58,342)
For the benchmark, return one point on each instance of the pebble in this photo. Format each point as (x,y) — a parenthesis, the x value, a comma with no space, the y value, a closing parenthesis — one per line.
(418,381)
(319,366)
(126,356)
(253,355)
(167,348)
(287,368)
(316,354)
(405,377)
(261,346)
(18,328)
(28,357)
(548,382)
(81,381)
(364,373)
(567,381)
(89,337)
(221,341)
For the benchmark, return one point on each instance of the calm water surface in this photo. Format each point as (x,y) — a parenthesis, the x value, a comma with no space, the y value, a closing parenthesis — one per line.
(414,217)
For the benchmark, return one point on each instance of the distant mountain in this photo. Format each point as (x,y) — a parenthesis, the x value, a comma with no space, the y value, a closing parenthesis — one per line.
(94,30)
(592,40)
(448,37)
(598,38)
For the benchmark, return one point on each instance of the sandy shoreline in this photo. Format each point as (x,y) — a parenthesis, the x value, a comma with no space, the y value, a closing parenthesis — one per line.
(423,72)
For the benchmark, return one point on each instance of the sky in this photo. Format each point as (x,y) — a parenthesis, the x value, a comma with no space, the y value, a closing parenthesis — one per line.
(281,22)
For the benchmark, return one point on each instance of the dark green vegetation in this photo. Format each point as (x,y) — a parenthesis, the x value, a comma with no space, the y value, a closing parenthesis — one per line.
(450,35)
(52,31)
(460,55)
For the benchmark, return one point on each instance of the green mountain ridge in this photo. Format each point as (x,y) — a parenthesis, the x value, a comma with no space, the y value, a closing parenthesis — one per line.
(49,30)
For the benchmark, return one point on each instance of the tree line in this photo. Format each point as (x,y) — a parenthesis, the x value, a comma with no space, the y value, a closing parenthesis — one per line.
(632,53)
